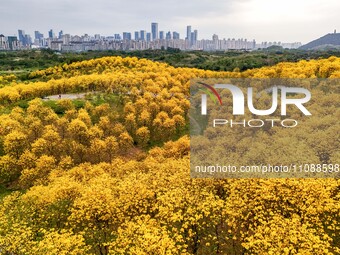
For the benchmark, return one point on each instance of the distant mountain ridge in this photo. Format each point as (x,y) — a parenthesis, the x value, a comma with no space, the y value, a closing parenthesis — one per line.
(327,41)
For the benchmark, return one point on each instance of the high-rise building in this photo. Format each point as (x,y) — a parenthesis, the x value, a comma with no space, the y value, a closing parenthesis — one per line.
(3,42)
(142,35)
(23,38)
(38,35)
(50,34)
(13,42)
(188,33)
(66,39)
(136,36)
(28,40)
(86,38)
(175,35)
(168,36)
(126,36)
(21,35)
(117,37)
(161,35)
(192,38)
(195,35)
(148,37)
(60,35)
(154,31)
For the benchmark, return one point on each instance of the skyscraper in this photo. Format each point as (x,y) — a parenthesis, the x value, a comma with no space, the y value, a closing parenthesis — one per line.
(21,35)
(154,31)
(28,40)
(142,35)
(117,37)
(215,37)
(3,42)
(188,33)
(126,36)
(168,36)
(195,35)
(193,38)
(50,34)
(175,35)
(148,37)
(161,35)
(13,42)
(38,35)
(23,38)
(60,34)
(136,36)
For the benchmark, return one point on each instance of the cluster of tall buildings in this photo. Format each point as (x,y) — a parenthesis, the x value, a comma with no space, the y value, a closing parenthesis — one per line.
(143,35)
(141,40)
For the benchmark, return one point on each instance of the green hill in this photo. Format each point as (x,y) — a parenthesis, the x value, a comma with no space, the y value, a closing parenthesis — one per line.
(324,42)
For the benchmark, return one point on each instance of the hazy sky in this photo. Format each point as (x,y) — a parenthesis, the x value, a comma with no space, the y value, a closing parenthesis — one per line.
(263,20)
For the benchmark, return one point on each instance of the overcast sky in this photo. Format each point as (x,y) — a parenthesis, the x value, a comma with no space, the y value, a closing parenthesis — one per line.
(263,20)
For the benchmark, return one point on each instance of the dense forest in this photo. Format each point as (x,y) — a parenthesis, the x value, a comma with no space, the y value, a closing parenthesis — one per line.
(109,173)
(27,60)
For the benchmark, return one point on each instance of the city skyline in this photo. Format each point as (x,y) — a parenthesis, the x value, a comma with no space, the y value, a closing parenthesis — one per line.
(142,40)
(263,20)
(155,39)
(153,34)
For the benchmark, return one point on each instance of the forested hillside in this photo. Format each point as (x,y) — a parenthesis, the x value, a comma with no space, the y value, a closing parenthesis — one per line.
(109,173)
